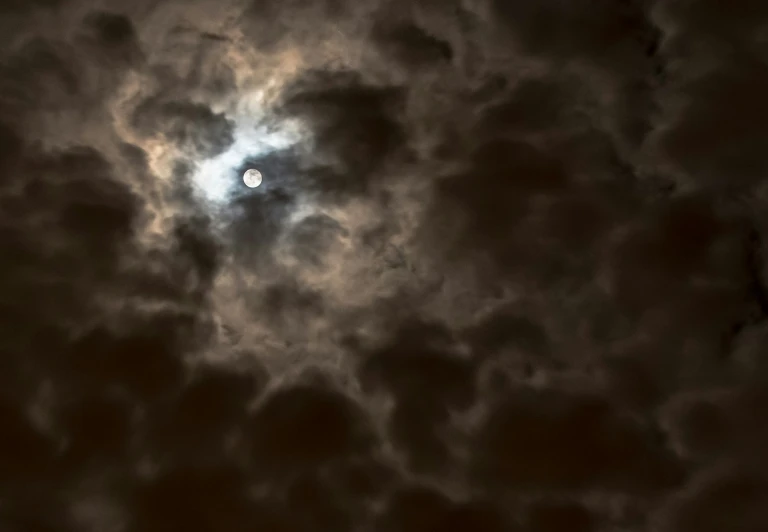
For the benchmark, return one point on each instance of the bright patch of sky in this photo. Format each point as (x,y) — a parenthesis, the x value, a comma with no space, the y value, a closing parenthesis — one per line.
(215,179)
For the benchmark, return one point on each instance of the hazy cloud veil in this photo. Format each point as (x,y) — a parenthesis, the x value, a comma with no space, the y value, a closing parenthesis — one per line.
(505,271)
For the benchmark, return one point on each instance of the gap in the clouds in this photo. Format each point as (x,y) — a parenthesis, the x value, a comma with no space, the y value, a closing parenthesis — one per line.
(216,179)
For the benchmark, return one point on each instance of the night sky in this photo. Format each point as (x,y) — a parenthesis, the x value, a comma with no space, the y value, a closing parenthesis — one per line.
(506,271)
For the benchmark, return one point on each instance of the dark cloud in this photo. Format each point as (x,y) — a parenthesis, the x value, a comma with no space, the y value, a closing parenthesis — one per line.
(699,427)
(25,453)
(191,63)
(521,446)
(41,74)
(417,429)
(196,252)
(45,74)
(143,363)
(418,363)
(705,19)
(98,427)
(534,106)
(66,219)
(720,123)
(208,412)
(640,379)
(273,24)
(316,506)
(193,127)
(22,516)
(505,328)
(427,382)
(505,270)
(287,302)
(551,516)
(113,36)
(413,508)
(578,28)
(411,45)
(201,499)
(736,494)
(13,6)
(493,194)
(306,426)
(355,126)
(311,238)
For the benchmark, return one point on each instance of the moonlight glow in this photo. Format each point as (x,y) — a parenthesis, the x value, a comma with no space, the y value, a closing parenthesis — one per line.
(255,135)
(215,178)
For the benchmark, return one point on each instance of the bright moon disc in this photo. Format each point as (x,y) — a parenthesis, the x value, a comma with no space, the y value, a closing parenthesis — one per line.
(252,178)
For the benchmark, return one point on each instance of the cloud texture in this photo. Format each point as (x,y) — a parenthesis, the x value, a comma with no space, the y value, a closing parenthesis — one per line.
(506,271)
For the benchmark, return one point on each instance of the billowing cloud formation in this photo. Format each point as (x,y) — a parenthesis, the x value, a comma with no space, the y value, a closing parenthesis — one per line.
(506,271)
(194,127)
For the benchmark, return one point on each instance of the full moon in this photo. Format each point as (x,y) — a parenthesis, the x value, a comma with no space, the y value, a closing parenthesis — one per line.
(252,178)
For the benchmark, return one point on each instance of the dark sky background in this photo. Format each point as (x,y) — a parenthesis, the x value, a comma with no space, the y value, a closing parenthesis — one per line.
(506,271)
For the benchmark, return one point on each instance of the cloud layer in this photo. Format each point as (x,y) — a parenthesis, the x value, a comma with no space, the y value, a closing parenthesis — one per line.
(505,271)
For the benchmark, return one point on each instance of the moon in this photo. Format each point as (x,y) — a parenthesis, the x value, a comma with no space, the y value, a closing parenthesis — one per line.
(252,178)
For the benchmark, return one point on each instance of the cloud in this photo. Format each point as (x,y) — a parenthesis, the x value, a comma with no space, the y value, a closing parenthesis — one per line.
(418,362)
(519,446)
(735,493)
(412,46)
(550,516)
(193,127)
(113,36)
(731,140)
(355,128)
(698,426)
(311,238)
(505,270)
(66,221)
(210,410)
(270,24)
(505,327)
(307,426)
(196,499)
(25,451)
(41,74)
(419,508)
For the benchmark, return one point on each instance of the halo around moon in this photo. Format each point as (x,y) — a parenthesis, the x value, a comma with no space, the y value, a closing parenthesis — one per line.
(252,178)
